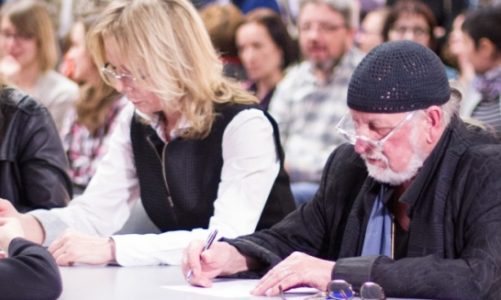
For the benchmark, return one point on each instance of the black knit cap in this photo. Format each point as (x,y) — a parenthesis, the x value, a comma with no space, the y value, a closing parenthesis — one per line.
(396,77)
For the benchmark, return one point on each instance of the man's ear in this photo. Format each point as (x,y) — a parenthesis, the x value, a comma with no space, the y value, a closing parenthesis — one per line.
(434,118)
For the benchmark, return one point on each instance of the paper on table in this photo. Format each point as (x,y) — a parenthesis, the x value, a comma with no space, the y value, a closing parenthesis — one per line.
(236,288)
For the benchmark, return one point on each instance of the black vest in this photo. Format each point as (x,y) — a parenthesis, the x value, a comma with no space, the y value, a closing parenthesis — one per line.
(179,181)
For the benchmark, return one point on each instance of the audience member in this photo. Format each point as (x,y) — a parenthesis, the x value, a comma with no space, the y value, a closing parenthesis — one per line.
(193,146)
(370,33)
(414,21)
(454,54)
(29,271)
(222,21)
(483,49)
(88,130)
(312,96)
(29,54)
(266,50)
(32,160)
(411,20)
(413,205)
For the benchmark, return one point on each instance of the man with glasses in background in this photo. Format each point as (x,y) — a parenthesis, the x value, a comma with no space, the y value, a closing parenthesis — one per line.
(412,203)
(312,95)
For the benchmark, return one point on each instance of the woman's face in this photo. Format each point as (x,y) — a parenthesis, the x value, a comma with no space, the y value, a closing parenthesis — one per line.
(21,49)
(84,69)
(412,27)
(260,56)
(130,84)
(481,57)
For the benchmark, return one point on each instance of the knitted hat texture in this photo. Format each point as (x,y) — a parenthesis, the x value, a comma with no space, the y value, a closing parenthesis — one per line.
(396,77)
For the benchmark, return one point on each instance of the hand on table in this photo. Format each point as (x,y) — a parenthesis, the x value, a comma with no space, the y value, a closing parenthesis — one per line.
(74,247)
(298,269)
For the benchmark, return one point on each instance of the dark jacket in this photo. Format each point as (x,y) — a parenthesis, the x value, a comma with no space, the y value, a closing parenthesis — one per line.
(180,180)
(453,248)
(29,272)
(32,160)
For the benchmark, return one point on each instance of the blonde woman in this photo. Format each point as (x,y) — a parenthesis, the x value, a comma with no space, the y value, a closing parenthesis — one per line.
(29,54)
(193,146)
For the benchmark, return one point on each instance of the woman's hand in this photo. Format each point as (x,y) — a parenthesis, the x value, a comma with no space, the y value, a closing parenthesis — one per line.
(74,247)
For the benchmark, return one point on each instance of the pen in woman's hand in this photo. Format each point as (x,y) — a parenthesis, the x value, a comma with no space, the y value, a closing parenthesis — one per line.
(208,243)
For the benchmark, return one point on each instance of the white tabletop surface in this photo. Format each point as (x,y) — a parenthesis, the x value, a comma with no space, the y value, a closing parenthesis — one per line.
(131,283)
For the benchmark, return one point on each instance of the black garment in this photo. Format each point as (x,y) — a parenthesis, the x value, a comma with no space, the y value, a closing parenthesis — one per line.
(179,181)
(454,242)
(29,272)
(32,160)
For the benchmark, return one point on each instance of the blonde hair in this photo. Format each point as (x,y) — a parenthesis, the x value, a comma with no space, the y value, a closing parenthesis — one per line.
(31,18)
(168,50)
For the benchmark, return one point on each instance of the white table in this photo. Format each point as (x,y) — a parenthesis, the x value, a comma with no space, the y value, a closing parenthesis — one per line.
(130,283)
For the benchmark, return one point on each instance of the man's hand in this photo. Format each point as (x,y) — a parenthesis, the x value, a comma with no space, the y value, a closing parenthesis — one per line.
(74,247)
(296,270)
(220,259)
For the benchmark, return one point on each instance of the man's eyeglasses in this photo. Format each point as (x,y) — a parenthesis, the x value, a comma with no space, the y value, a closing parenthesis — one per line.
(339,289)
(112,77)
(347,128)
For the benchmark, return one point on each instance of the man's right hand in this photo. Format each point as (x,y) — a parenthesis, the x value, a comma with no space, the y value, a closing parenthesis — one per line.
(220,259)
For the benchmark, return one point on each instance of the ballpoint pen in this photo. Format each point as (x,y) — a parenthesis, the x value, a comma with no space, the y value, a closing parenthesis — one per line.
(208,243)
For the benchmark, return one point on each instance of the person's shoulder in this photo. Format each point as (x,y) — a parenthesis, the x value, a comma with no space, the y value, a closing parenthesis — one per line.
(57,83)
(15,100)
(297,73)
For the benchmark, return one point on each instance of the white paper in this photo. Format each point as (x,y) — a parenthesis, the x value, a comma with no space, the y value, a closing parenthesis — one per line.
(236,288)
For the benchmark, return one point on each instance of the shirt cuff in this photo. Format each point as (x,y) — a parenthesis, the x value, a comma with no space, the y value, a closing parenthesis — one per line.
(52,225)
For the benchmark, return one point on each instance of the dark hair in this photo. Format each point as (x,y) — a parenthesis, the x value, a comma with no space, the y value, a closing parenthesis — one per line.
(415,8)
(484,23)
(277,30)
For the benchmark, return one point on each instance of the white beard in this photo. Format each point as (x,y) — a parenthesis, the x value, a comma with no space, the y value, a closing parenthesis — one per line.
(387,175)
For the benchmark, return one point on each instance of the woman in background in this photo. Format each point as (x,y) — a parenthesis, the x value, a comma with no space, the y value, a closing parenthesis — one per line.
(29,54)
(89,127)
(413,20)
(482,42)
(266,50)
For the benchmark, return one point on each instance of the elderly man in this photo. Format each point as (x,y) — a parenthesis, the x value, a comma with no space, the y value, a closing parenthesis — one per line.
(414,205)
(312,96)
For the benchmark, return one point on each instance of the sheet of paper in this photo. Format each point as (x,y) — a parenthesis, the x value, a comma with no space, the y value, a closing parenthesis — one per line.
(236,288)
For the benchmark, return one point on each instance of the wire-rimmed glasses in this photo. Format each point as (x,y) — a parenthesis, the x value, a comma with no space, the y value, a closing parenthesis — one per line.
(347,128)
(113,77)
(339,289)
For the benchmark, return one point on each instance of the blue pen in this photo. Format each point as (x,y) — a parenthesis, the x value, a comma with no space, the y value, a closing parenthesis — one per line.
(208,243)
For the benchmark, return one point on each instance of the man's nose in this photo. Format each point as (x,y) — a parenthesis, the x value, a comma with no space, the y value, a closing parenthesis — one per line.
(363,146)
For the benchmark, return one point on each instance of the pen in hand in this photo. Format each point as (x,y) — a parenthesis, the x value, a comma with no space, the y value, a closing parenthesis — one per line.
(208,243)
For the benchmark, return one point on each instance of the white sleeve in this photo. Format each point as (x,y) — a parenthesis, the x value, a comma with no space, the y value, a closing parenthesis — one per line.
(249,170)
(105,205)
